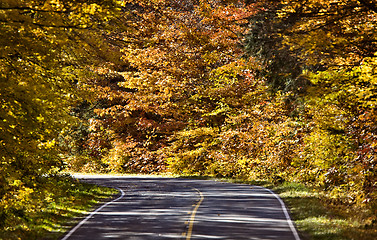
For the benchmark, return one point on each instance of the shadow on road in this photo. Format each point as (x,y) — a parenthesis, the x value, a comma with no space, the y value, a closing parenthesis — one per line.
(161,208)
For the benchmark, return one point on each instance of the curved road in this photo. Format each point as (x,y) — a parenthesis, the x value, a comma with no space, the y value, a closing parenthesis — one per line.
(170,208)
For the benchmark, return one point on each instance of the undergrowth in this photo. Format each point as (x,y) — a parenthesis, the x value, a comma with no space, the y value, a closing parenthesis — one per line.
(52,210)
(318,216)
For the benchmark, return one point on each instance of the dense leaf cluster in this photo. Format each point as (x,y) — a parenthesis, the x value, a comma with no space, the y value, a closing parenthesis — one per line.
(286,95)
(283,90)
(46,51)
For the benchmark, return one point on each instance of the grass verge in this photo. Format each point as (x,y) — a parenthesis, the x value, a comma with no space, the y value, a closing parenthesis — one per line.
(316,215)
(320,217)
(59,205)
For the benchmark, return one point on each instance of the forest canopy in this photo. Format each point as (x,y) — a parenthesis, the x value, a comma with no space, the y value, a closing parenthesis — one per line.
(282,90)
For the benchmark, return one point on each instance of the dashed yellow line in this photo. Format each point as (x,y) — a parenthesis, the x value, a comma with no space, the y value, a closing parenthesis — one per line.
(192,218)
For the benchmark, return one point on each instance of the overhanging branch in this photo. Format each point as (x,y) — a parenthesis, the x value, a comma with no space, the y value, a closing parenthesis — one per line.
(31,9)
(369,5)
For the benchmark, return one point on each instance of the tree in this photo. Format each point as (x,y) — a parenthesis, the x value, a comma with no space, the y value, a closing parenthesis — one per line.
(170,66)
(341,104)
(332,33)
(321,54)
(44,60)
(264,41)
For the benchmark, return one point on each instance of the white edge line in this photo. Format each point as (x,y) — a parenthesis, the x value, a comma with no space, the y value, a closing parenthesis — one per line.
(289,220)
(91,215)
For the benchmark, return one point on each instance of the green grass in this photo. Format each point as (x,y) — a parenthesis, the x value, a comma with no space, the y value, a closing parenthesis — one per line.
(65,202)
(318,217)
(315,214)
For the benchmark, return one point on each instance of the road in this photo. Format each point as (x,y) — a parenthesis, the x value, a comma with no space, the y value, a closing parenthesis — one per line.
(171,208)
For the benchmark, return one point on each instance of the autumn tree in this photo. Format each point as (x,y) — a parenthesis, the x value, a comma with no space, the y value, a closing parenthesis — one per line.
(165,87)
(332,33)
(333,43)
(285,95)
(337,39)
(47,49)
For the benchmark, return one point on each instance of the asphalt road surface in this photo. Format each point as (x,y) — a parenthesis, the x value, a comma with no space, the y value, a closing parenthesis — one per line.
(170,208)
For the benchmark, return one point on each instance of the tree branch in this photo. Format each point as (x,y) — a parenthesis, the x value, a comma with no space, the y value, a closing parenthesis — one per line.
(45,25)
(31,9)
(369,5)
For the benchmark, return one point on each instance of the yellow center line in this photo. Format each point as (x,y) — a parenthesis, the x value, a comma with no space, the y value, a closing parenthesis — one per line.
(191,225)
